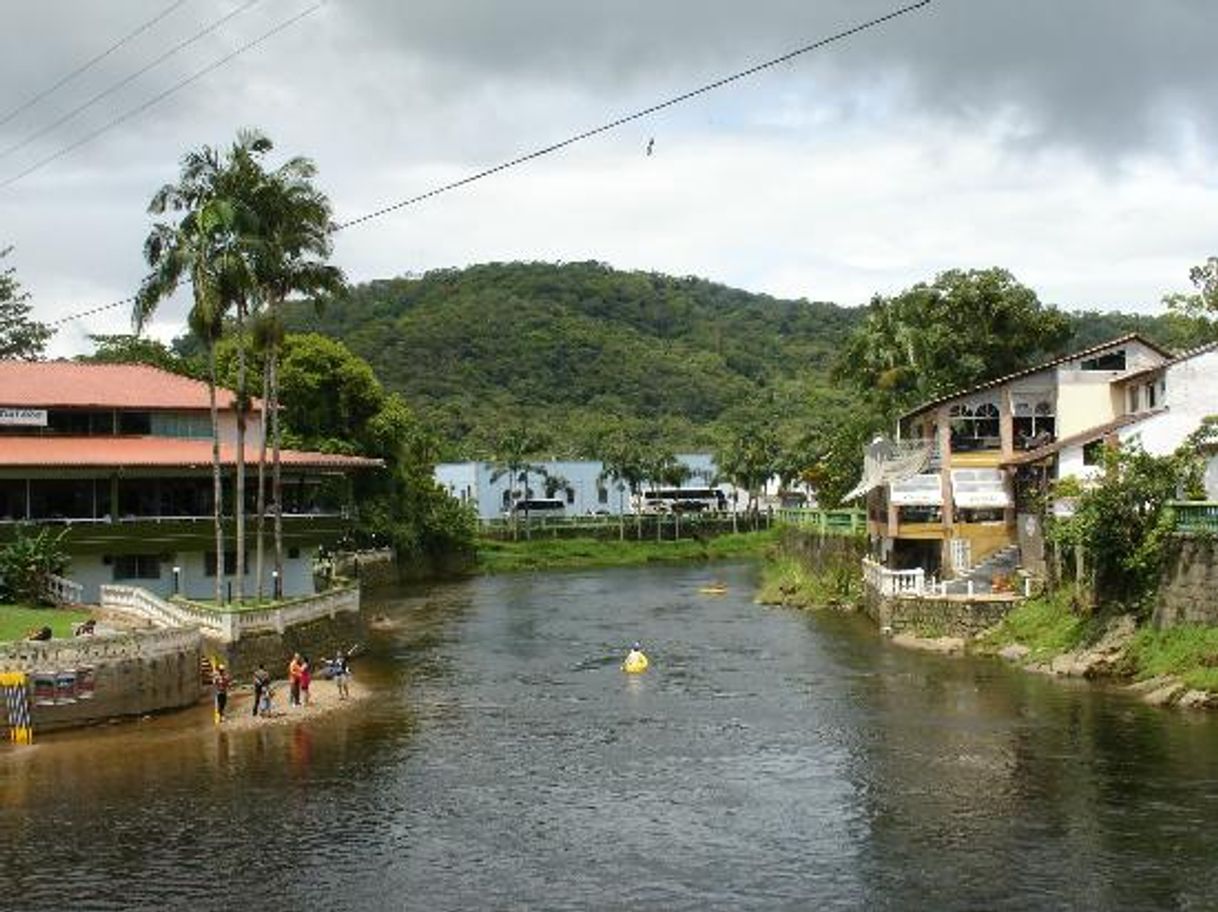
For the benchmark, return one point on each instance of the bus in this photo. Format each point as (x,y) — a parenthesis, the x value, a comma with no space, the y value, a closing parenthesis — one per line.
(683,500)
(538,507)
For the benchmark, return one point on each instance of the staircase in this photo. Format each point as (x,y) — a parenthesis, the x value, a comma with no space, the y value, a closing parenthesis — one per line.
(1002,562)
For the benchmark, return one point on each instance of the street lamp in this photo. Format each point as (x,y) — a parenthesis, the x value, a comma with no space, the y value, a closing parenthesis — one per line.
(275,584)
(177,580)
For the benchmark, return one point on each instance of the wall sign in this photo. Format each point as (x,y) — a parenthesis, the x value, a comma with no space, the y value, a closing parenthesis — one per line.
(23,417)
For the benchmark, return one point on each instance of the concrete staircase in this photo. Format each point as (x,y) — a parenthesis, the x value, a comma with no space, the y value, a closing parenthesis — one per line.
(1002,562)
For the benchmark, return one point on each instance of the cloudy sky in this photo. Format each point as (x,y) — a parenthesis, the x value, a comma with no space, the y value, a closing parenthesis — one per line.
(1071,142)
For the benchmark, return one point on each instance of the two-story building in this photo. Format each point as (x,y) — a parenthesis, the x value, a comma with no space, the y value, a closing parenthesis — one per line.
(120,457)
(956,484)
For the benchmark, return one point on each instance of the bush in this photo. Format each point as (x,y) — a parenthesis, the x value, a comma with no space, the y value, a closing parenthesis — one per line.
(27,561)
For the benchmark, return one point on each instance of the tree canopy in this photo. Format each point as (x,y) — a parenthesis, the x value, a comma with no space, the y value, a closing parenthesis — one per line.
(21,337)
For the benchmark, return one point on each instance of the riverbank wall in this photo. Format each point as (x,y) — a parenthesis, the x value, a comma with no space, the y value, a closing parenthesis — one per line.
(318,639)
(88,680)
(936,616)
(1188,593)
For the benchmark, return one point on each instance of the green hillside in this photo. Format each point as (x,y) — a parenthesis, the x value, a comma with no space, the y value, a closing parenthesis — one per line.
(573,348)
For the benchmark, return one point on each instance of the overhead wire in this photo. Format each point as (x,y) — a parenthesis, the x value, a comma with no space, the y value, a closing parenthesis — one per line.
(161,96)
(128,79)
(90,63)
(579,137)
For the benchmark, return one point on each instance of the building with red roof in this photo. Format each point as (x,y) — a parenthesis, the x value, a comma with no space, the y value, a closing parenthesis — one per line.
(120,456)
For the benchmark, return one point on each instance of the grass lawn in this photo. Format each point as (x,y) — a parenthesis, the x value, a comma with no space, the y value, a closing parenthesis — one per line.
(558,553)
(17,620)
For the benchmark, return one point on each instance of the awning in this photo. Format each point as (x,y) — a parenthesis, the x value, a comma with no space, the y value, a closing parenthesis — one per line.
(918,491)
(979,489)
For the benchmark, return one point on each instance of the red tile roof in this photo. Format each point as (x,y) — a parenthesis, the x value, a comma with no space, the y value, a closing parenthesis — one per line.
(71,384)
(150,452)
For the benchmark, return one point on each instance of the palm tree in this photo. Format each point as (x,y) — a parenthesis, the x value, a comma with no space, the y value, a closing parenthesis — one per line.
(294,240)
(512,455)
(192,250)
(622,460)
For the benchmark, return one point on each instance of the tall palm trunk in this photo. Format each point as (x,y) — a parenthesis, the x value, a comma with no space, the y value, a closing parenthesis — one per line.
(260,545)
(217,486)
(276,477)
(239,497)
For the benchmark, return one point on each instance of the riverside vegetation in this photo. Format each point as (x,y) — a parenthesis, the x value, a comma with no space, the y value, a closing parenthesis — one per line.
(570,553)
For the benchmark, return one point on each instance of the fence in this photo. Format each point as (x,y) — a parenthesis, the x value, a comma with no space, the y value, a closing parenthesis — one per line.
(827,522)
(30,655)
(63,591)
(893,582)
(1195,516)
(228,626)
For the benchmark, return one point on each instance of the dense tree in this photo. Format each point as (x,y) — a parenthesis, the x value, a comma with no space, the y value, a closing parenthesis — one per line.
(963,328)
(747,457)
(126,348)
(21,337)
(515,456)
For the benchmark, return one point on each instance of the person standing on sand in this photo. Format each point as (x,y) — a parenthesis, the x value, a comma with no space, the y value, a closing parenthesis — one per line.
(294,668)
(219,682)
(306,678)
(262,680)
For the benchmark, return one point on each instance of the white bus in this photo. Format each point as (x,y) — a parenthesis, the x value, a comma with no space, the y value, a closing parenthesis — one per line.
(683,500)
(538,507)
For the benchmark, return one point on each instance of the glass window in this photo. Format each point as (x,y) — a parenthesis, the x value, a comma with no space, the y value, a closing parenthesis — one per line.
(1111,361)
(137,566)
(1150,395)
(230,563)
(1093,453)
(602,494)
(135,423)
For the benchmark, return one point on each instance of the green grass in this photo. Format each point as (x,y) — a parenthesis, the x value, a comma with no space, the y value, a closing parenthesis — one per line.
(559,553)
(17,620)
(1188,652)
(1047,625)
(789,581)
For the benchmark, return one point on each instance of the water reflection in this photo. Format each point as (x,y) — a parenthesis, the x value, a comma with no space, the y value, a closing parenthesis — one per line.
(768,760)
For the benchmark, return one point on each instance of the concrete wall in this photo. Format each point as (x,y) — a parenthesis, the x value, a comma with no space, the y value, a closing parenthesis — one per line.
(936,616)
(315,639)
(1189,592)
(134,674)
(91,571)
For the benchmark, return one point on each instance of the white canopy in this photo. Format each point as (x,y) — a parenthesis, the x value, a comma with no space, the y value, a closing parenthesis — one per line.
(918,491)
(979,488)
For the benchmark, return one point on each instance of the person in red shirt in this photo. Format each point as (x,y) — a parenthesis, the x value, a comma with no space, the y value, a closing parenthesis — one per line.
(295,667)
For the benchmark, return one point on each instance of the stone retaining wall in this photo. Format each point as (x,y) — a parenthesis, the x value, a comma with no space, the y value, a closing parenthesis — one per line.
(317,639)
(1189,592)
(949,615)
(134,674)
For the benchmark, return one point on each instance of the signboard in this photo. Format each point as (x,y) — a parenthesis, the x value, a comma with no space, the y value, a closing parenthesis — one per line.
(23,417)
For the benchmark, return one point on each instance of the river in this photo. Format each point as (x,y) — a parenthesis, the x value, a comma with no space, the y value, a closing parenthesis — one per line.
(768,760)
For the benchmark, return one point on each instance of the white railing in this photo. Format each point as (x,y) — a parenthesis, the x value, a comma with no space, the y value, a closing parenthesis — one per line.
(228,626)
(141,603)
(893,582)
(63,591)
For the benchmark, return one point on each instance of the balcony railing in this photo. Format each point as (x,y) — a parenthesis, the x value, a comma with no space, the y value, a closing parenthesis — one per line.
(893,582)
(1195,516)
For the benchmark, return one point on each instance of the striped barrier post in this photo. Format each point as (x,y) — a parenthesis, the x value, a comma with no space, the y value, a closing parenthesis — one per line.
(16,699)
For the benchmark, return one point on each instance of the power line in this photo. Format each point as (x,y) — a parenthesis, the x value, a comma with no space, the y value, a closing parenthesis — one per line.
(579,137)
(637,115)
(181,84)
(88,64)
(127,80)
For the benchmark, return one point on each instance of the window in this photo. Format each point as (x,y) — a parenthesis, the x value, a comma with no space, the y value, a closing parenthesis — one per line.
(293,553)
(1133,399)
(137,566)
(1093,453)
(1034,422)
(1111,361)
(230,563)
(974,427)
(570,496)
(602,495)
(134,423)
(1150,395)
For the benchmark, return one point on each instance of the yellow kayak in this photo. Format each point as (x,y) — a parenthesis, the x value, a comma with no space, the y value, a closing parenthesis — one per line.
(712,590)
(636,663)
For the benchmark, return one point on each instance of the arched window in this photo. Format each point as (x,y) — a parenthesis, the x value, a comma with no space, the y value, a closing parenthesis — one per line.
(974,427)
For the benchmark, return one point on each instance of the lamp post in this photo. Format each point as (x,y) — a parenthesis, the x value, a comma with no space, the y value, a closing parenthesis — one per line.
(275,584)
(177,580)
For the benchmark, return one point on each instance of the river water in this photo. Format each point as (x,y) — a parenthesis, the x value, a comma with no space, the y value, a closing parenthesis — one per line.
(768,760)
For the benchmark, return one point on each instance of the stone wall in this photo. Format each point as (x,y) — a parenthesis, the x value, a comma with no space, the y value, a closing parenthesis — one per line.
(134,674)
(947,615)
(1189,591)
(316,639)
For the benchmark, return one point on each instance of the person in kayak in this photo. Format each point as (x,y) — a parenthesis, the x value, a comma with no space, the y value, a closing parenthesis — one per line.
(636,659)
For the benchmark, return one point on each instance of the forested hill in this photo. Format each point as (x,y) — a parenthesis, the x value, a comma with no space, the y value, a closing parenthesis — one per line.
(571,349)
